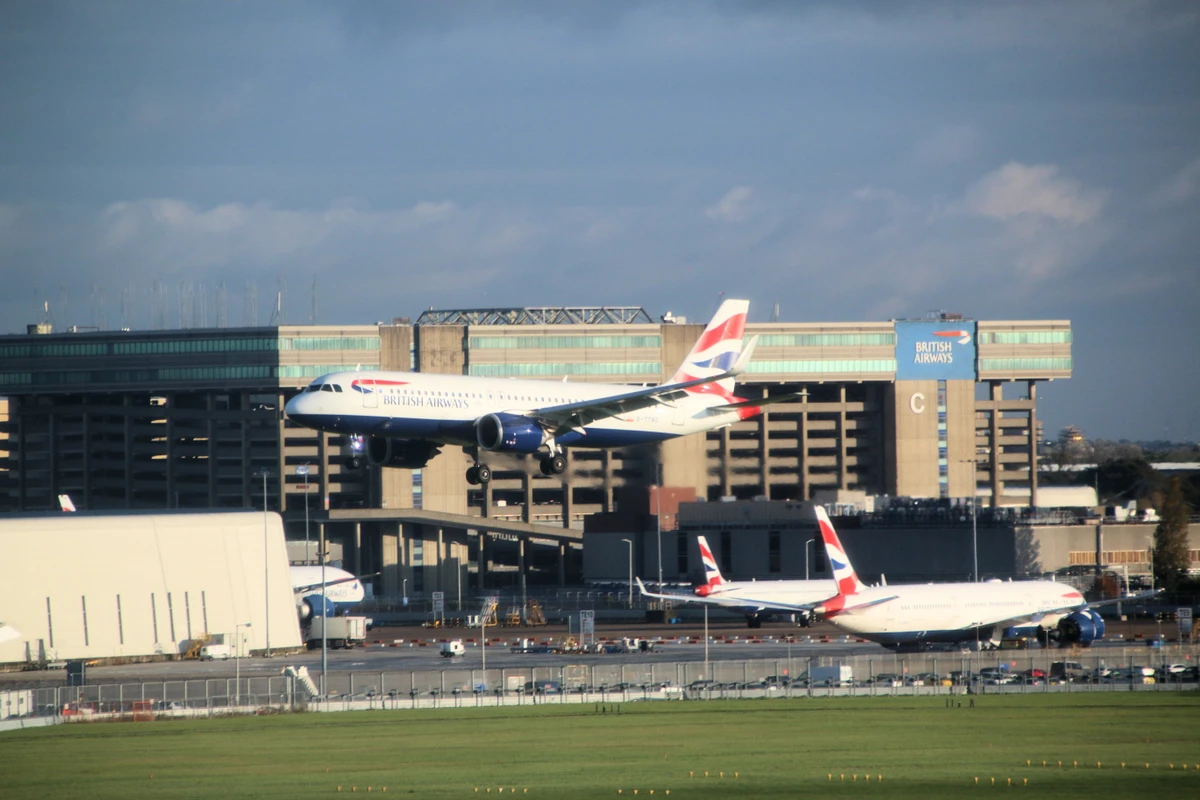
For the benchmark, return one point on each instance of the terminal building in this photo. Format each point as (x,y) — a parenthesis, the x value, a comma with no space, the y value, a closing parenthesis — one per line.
(942,407)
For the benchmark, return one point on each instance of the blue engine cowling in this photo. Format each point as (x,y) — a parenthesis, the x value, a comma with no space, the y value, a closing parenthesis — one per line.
(310,606)
(1082,627)
(509,432)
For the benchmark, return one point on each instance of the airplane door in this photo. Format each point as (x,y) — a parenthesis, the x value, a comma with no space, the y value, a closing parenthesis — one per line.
(370,394)
(679,415)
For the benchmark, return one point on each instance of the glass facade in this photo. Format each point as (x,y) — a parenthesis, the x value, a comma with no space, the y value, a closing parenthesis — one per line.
(827,339)
(213,373)
(1025,337)
(824,365)
(174,346)
(651,369)
(1023,364)
(561,342)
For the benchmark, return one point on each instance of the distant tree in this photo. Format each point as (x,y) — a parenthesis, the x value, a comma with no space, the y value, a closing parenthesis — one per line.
(1171,560)
(1124,479)
(1107,450)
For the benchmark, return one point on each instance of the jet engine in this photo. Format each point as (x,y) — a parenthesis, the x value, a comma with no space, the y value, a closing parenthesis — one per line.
(1082,627)
(310,606)
(509,432)
(402,453)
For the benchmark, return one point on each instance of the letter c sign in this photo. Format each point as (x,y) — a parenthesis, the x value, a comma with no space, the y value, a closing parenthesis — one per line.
(916,403)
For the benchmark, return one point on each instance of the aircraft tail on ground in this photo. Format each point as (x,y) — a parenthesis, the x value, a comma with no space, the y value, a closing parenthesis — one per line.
(843,571)
(717,350)
(712,573)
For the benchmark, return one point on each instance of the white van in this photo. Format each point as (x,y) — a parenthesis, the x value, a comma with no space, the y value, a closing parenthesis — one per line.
(215,651)
(452,649)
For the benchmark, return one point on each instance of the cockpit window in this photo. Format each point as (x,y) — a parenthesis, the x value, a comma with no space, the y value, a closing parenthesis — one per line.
(327,387)
(336,387)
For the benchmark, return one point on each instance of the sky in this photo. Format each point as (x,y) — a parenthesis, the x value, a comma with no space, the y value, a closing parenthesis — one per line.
(850,161)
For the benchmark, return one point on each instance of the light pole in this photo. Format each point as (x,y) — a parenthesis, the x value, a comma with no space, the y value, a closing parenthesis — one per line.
(974,522)
(266,568)
(806,544)
(658,525)
(404,590)
(302,472)
(237,661)
(324,631)
(630,543)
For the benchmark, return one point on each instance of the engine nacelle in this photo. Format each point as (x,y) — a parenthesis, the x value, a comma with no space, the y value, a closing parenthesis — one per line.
(509,432)
(1082,627)
(310,606)
(402,453)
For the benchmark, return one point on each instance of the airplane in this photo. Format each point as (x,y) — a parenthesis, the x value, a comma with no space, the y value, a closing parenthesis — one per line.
(343,591)
(923,616)
(407,417)
(751,597)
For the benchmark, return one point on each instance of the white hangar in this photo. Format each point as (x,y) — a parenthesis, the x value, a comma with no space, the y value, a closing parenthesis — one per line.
(112,585)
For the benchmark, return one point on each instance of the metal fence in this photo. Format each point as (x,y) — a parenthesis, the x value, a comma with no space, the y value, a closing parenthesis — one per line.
(1005,672)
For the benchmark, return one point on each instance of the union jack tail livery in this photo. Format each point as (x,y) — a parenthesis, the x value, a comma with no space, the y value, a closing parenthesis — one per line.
(843,571)
(717,350)
(712,573)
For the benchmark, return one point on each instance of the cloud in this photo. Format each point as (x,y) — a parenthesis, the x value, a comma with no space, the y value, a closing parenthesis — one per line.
(1017,190)
(733,207)
(1181,187)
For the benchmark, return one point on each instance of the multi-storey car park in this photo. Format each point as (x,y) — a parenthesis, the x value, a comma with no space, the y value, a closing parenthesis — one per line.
(938,407)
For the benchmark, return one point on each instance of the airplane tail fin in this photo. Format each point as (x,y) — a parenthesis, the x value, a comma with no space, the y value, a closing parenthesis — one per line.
(712,573)
(64,502)
(717,350)
(843,570)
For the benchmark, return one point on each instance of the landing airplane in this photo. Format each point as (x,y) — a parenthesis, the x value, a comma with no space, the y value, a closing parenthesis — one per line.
(407,417)
(751,597)
(915,617)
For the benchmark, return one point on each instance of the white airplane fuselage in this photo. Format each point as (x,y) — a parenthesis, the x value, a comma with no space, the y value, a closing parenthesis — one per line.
(343,594)
(445,408)
(945,612)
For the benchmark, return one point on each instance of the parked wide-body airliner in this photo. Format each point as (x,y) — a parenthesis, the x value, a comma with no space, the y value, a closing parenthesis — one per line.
(407,417)
(342,591)
(921,615)
(750,597)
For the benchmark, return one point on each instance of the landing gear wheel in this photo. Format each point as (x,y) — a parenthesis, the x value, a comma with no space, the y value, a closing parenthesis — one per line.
(553,465)
(484,472)
(473,476)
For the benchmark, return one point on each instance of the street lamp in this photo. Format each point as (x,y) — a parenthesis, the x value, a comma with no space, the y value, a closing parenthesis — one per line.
(658,524)
(974,522)
(302,472)
(806,544)
(237,661)
(404,590)
(266,568)
(630,543)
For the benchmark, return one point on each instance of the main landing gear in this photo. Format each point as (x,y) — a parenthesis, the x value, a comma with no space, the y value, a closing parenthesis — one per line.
(480,473)
(554,464)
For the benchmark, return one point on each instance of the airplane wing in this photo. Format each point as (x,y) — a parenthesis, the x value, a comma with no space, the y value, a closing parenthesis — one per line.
(1034,619)
(683,598)
(741,601)
(311,586)
(574,416)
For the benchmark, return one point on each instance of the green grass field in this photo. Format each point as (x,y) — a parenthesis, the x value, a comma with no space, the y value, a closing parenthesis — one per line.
(765,748)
